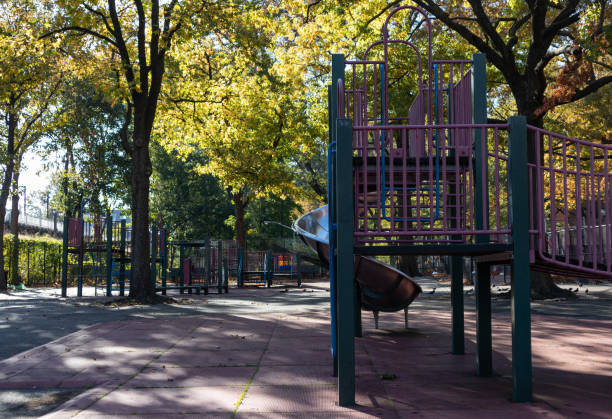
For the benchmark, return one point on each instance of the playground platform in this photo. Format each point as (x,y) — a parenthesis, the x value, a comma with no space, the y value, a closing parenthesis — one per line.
(269,357)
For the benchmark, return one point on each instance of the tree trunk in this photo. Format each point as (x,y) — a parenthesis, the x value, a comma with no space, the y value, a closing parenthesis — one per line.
(141,287)
(4,193)
(14,274)
(65,182)
(408,264)
(6,186)
(240,206)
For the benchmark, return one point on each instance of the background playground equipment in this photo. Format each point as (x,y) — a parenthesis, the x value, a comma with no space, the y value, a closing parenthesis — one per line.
(201,265)
(98,251)
(435,179)
(263,267)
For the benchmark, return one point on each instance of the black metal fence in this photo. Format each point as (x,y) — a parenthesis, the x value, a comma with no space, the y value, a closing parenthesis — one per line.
(40,260)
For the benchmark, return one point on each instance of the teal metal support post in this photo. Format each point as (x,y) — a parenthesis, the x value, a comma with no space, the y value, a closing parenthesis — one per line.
(521,279)
(154,257)
(81,258)
(208,266)
(338,64)
(357,308)
(109,255)
(164,261)
(122,255)
(181,269)
(298,266)
(220,267)
(484,346)
(240,266)
(479,116)
(345,262)
(458,338)
(65,258)
(269,268)
(331,226)
(226,275)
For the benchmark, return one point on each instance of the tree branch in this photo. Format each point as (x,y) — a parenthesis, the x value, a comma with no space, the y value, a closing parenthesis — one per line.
(41,112)
(494,57)
(121,46)
(487,27)
(602,64)
(552,53)
(99,14)
(379,14)
(142,47)
(310,4)
(123,132)
(512,38)
(566,17)
(81,30)
(592,87)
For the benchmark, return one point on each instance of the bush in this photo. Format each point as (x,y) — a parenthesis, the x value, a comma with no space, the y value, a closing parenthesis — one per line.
(40,259)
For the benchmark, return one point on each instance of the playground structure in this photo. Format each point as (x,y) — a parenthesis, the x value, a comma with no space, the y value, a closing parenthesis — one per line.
(433,178)
(261,267)
(201,265)
(98,251)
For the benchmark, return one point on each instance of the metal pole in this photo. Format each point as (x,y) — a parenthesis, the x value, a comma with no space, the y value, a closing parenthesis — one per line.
(521,279)
(109,255)
(181,268)
(65,258)
(44,264)
(484,349)
(154,257)
(220,267)
(458,338)
(122,261)
(345,261)
(81,256)
(164,259)
(269,268)
(299,269)
(481,189)
(240,266)
(208,265)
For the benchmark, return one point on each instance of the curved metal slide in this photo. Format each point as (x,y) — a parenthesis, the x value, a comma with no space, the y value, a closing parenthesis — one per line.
(383,288)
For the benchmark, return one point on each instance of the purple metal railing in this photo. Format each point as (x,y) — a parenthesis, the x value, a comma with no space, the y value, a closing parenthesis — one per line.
(91,232)
(74,232)
(571,206)
(415,166)
(425,205)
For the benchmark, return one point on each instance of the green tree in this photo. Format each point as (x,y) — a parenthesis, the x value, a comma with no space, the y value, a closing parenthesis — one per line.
(131,42)
(268,219)
(229,100)
(30,75)
(524,40)
(193,206)
(89,130)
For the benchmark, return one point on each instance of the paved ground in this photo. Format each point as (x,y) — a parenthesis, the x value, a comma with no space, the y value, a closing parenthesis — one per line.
(263,353)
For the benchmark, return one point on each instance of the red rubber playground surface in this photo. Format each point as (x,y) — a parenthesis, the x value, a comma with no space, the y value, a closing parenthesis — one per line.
(278,365)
